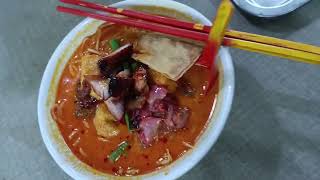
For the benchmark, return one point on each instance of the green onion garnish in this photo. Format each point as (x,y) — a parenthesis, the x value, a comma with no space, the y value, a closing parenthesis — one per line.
(114,44)
(116,154)
(128,122)
(126,65)
(133,66)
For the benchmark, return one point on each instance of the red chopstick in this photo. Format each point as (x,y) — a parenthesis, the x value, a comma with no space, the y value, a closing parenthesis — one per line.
(195,26)
(144,16)
(139,24)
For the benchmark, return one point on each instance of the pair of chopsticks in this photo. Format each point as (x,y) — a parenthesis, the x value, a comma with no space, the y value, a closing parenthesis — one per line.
(246,41)
(216,35)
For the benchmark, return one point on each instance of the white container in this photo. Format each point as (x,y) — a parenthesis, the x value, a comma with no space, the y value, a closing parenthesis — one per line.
(54,140)
(269,8)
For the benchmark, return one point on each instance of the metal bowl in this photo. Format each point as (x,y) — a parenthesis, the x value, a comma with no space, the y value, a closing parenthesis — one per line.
(269,8)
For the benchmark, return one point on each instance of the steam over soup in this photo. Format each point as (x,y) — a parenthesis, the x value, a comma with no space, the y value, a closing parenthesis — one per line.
(127,105)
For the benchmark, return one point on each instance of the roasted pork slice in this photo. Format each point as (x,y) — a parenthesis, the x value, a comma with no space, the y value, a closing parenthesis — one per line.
(116,107)
(119,87)
(175,117)
(159,106)
(107,65)
(141,113)
(156,92)
(180,117)
(151,127)
(99,85)
(149,130)
(159,116)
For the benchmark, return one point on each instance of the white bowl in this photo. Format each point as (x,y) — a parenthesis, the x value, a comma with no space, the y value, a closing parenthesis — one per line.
(54,140)
(269,8)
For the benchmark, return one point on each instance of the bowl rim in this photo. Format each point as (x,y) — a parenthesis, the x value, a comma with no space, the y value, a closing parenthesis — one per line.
(270,11)
(176,171)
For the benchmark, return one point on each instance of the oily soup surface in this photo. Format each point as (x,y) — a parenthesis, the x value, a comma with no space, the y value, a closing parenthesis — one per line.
(80,134)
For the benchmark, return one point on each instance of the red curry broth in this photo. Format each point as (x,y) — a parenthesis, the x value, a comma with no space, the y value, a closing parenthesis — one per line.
(93,150)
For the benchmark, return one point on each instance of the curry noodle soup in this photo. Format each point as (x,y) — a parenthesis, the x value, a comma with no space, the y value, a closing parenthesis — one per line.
(122,110)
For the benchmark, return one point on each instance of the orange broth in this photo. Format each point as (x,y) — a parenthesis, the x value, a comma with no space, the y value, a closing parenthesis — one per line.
(92,150)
